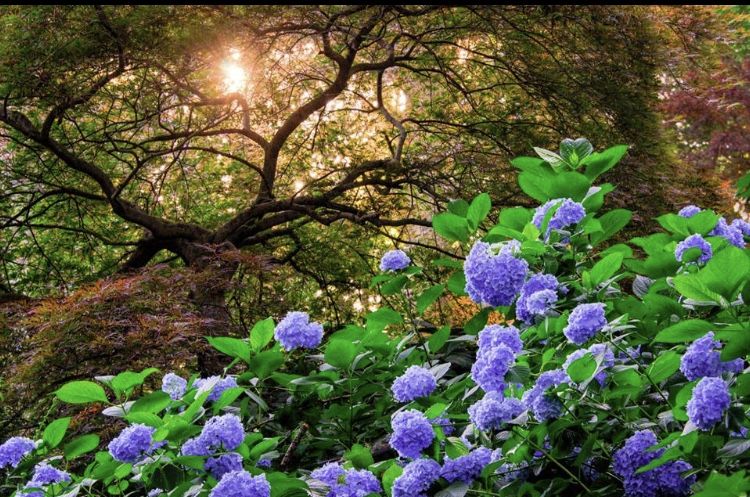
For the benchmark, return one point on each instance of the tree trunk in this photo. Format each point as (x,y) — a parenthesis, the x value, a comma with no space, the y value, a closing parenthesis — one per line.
(214,270)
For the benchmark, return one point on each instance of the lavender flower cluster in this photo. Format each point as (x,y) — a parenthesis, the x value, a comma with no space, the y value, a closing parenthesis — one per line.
(537,297)
(703,358)
(494,276)
(133,443)
(567,214)
(394,260)
(584,322)
(297,331)
(412,433)
(663,480)
(347,482)
(416,382)
(543,405)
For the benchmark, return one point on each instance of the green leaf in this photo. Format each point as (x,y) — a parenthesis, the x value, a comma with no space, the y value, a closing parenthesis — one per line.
(664,366)
(574,151)
(233,347)
(476,323)
(438,339)
(684,331)
(261,334)
(81,392)
(227,397)
(549,157)
(718,485)
(394,285)
(457,283)
(570,184)
(81,445)
(582,368)
(340,353)
(382,317)
(360,456)
(390,475)
(515,217)
(153,403)
(606,268)
(426,298)
(127,380)
(600,162)
(55,432)
(451,227)
(459,207)
(612,222)
(535,186)
(265,363)
(478,210)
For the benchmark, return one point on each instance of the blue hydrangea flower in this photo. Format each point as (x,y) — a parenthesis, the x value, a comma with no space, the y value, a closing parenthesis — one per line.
(223,464)
(493,335)
(394,260)
(608,359)
(241,484)
(14,449)
(466,468)
(733,366)
(542,405)
(221,384)
(329,473)
(297,331)
(417,478)
(223,432)
(263,463)
(694,241)
(731,233)
(689,211)
(416,382)
(493,275)
(174,385)
(44,475)
(412,433)
(537,296)
(702,358)
(156,492)
(584,322)
(569,213)
(663,480)
(347,483)
(742,226)
(133,443)
(709,402)
(493,411)
(489,370)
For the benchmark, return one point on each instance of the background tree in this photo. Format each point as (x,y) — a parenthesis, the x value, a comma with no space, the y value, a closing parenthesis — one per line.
(136,135)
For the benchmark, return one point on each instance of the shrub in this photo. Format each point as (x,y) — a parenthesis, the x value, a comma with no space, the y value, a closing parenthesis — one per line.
(579,388)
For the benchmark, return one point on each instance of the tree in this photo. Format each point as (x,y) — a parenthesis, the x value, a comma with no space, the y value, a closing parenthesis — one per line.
(134,132)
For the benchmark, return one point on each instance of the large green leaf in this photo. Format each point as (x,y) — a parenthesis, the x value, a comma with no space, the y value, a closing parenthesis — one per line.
(81,392)
(451,226)
(55,432)
(261,334)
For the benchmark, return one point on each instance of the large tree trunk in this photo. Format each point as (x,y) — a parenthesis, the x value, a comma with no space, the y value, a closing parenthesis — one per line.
(214,269)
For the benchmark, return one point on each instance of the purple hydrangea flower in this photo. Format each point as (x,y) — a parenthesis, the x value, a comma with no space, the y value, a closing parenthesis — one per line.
(241,484)
(733,366)
(297,331)
(493,275)
(542,405)
(133,443)
(220,385)
(709,402)
(488,371)
(742,226)
(730,233)
(702,358)
(567,214)
(223,464)
(44,475)
(494,334)
(584,322)
(537,296)
(412,433)
(174,385)
(347,483)
(689,211)
(329,473)
(416,382)
(466,468)
(223,432)
(663,480)
(417,478)
(493,411)
(156,492)
(263,463)
(14,449)
(394,260)
(694,241)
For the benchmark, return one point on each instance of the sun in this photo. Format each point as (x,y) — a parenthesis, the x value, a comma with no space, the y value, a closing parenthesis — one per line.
(235,76)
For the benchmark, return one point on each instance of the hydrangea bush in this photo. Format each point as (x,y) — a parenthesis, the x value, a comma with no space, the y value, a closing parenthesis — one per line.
(590,368)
